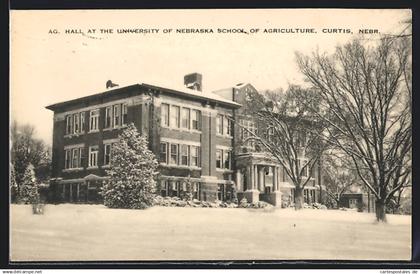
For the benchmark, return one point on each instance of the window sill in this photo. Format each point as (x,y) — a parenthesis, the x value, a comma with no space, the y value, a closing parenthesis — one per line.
(114,128)
(182,129)
(223,170)
(74,135)
(224,136)
(180,166)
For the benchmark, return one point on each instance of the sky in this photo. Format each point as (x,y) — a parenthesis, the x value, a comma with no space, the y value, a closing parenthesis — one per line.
(48,67)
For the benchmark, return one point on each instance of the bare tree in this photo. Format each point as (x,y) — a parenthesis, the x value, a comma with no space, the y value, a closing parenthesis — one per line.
(339,175)
(26,150)
(367,97)
(288,131)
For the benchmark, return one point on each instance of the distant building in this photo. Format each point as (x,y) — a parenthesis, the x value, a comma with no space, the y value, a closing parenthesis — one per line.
(191,133)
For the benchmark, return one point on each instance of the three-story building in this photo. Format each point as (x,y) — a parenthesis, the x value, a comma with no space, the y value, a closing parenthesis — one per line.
(191,132)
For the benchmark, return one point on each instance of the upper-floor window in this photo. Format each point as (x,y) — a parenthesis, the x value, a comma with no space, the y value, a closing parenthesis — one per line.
(219,124)
(82,121)
(74,157)
(165,115)
(93,156)
(195,119)
(174,154)
(175,116)
(124,114)
(163,156)
(248,129)
(227,159)
(69,124)
(182,154)
(185,118)
(107,154)
(117,115)
(223,125)
(219,158)
(94,120)
(76,118)
(75,123)
(195,156)
(185,155)
(108,117)
(67,160)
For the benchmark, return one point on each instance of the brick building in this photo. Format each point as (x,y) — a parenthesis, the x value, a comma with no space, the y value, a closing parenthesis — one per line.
(190,131)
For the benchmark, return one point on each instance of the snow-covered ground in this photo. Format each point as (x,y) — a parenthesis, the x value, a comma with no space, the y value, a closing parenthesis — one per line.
(94,232)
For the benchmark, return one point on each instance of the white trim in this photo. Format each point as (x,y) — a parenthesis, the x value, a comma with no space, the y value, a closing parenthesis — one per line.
(181,142)
(181,103)
(130,101)
(110,141)
(82,145)
(224,147)
(180,166)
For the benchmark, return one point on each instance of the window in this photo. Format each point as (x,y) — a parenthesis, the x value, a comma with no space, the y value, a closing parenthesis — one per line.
(82,154)
(107,154)
(93,156)
(195,156)
(175,116)
(108,117)
(82,121)
(226,125)
(69,123)
(174,154)
(94,118)
(116,115)
(67,161)
(163,153)
(185,118)
(248,127)
(165,115)
(76,122)
(124,114)
(219,124)
(218,158)
(227,159)
(195,117)
(184,155)
(75,159)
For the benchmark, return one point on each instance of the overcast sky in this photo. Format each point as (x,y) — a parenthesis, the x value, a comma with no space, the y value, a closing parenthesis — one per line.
(49,68)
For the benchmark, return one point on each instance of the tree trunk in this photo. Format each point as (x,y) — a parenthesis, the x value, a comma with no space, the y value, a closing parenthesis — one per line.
(298,198)
(380,211)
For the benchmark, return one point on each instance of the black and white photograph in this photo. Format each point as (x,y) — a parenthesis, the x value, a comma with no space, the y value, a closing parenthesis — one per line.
(210,135)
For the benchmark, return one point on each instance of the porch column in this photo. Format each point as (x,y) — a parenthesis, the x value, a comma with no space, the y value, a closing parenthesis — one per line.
(255,185)
(250,177)
(261,179)
(238,180)
(275,174)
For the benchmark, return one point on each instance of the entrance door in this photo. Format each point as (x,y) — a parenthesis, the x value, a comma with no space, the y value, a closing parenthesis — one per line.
(352,203)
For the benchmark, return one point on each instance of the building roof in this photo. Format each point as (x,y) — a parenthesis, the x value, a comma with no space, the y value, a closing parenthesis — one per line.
(180,91)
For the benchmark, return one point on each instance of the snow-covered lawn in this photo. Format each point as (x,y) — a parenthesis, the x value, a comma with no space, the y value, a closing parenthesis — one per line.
(94,232)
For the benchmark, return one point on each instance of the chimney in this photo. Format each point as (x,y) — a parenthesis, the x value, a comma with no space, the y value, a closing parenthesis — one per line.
(193,81)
